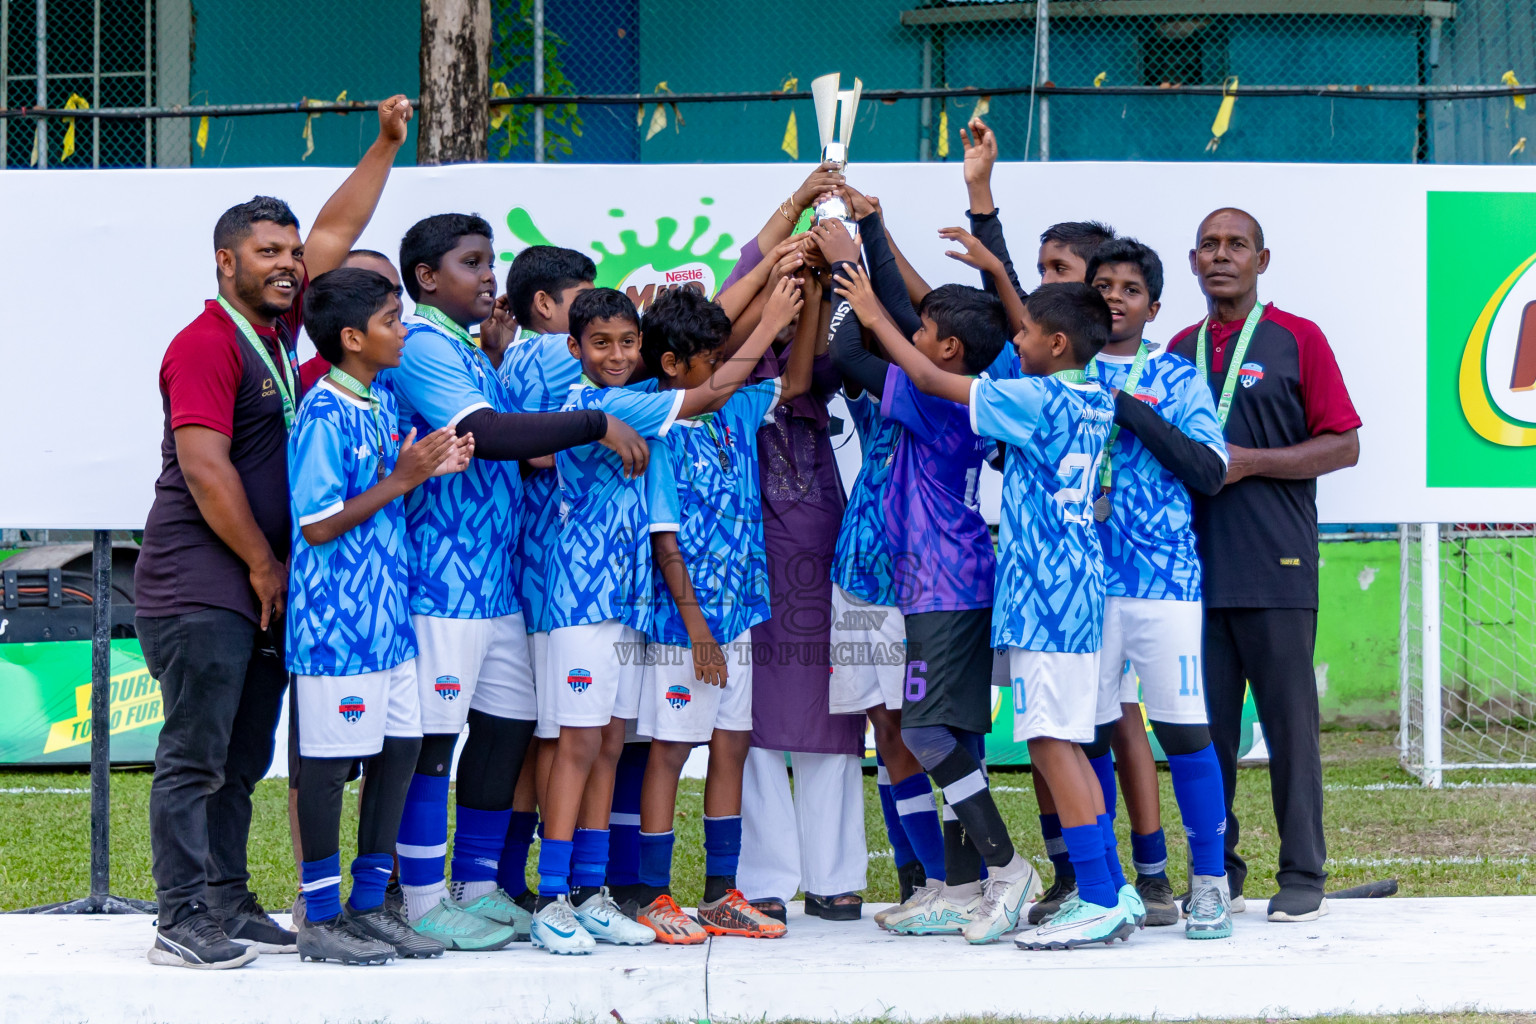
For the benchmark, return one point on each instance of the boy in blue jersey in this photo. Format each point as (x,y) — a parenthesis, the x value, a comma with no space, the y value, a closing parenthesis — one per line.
(711,589)
(600,607)
(473,664)
(1050,585)
(351,645)
(944,588)
(1166,440)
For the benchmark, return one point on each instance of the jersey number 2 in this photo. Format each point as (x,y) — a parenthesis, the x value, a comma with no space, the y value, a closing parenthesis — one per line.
(1077,467)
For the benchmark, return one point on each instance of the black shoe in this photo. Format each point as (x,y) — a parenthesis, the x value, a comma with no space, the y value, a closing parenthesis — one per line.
(528,900)
(1157,894)
(1296,903)
(394,897)
(197,941)
(339,939)
(247,922)
(391,928)
(627,897)
(909,876)
(1061,890)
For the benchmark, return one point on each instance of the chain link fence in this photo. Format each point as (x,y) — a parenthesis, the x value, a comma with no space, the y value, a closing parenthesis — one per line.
(1379,80)
(1479,638)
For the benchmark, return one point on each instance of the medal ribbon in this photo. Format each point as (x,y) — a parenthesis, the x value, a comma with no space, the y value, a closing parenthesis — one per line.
(1072,376)
(363,391)
(1106,466)
(284,382)
(709,425)
(1234,365)
(437,318)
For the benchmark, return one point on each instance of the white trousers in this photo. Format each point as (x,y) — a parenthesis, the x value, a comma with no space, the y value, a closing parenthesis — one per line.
(811,840)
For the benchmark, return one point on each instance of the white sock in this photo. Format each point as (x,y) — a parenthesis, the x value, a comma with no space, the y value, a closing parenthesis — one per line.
(1012,870)
(419,899)
(468,892)
(963,892)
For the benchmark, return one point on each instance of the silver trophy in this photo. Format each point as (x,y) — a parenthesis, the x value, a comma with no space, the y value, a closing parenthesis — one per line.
(836,132)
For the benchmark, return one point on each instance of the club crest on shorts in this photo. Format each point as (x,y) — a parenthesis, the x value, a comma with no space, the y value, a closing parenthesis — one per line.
(578,679)
(678,697)
(447,687)
(351,708)
(1250,374)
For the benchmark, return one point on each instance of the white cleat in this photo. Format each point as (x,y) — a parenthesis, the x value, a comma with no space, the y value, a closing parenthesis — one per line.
(556,929)
(602,919)
(1001,903)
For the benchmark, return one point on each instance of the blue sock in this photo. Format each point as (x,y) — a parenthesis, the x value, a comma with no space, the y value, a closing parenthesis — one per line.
(722,845)
(1111,851)
(656,859)
(1085,845)
(424,831)
(1202,804)
(322,888)
(920,821)
(370,874)
(624,820)
(901,849)
(512,870)
(1056,846)
(589,858)
(478,837)
(555,867)
(1149,854)
(1104,768)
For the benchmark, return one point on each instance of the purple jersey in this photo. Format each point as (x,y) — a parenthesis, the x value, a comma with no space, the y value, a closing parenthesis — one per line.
(942,550)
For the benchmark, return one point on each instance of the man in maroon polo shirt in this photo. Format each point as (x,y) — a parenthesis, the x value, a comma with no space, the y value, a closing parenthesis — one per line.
(211,578)
(1288,420)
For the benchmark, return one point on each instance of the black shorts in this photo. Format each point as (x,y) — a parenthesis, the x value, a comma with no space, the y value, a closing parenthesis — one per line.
(294,760)
(949,670)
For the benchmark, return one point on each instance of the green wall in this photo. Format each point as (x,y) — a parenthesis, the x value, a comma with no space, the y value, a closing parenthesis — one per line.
(1357,623)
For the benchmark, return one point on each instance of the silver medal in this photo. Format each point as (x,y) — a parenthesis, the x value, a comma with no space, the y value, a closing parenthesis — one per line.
(1101,507)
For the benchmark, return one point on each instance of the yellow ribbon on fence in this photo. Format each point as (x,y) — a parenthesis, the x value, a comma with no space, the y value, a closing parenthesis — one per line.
(791,143)
(1223,114)
(1510,80)
(75,102)
(943,132)
(309,119)
(659,115)
(202,134)
(500,114)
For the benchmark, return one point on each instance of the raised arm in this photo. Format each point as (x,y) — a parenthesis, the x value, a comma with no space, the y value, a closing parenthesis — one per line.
(980,156)
(782,307)
(796,379)
(977,255)
(853,284)
(344,216)
(885,275)
(859,366)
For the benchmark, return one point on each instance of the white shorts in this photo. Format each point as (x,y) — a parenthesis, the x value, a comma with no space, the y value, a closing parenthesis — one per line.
(594,674)
(473,663)
(349,716)
(1054,694)
(869,658)
(676,707)
(1159,642)
(538,647)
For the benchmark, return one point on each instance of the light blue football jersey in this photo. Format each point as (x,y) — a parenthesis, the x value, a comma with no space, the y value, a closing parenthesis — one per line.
(862,563)
(702,485)
(1149,540)
(461,527)
(348,599)
(599,567)
(1050,572)
(538,373)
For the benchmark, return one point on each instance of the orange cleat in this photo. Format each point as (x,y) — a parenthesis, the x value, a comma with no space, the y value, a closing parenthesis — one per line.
(671,925)
(731,914)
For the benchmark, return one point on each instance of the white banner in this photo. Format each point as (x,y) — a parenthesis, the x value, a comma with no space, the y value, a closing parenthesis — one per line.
(102,268)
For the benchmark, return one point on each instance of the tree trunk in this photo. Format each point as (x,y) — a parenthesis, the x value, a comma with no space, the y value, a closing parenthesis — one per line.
(455,60)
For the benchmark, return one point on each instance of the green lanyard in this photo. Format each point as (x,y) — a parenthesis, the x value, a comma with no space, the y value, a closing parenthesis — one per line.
(1072,376)
(282,381)
(437,318)
(363,391)
(1234,365)
(708,420)
(1106,467)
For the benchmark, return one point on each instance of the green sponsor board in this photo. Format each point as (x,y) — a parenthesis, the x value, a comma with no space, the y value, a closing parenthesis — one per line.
(45,690)
(1481,334)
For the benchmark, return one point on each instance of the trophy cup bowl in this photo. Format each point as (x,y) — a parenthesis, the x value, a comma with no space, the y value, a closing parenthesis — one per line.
(835,132)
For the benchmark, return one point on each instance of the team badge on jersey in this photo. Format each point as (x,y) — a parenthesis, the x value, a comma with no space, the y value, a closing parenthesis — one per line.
(579,679)
(1250,374)
(351,708)
(447,687)
(1147,395)
(678,697)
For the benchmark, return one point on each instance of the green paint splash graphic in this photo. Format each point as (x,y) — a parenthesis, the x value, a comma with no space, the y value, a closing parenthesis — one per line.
(614,265)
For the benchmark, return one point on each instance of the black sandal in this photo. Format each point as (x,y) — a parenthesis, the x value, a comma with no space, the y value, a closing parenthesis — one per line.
(772,907)
(829,909)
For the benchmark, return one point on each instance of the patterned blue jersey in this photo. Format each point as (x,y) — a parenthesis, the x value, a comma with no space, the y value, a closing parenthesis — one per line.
(1050,573)
(702,485)
(462,526)
(599,567)
(862,563)
(348,599)
(538,373)
(1149,541)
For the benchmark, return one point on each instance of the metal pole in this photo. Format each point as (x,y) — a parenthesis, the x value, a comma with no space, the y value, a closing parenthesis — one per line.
(149,80)
(96,84)
(101,714)
(42,81)
(1429,580)
(538,80)
(5,79)
(1404,655)
(925,143)
(1043,37)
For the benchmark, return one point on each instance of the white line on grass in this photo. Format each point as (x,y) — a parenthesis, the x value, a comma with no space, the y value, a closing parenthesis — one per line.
(1433,862)
(1378,787)
(31,790)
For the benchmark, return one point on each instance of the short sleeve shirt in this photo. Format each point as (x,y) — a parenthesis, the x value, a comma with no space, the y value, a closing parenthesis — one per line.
(1258,537)
(349,598)
(941,547)
(1050,578)
(702,484)
(862,563)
